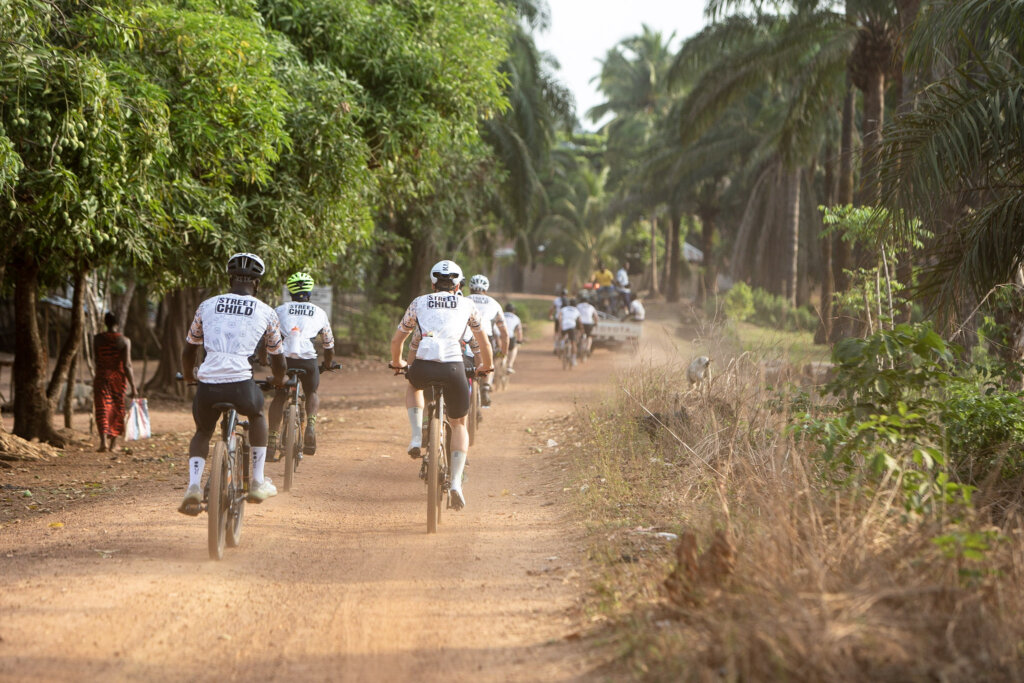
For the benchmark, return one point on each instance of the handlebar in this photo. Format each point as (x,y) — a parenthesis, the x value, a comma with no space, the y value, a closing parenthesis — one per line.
(330,368)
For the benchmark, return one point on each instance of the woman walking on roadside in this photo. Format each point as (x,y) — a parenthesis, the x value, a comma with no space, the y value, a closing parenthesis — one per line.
(114,372)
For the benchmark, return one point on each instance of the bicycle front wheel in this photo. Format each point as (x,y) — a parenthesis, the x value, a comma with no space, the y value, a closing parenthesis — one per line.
(291,445)
(434,457)
(236,497)
(217,507)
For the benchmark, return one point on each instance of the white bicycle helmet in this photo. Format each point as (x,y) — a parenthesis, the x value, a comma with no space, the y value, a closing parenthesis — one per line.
(479,283)
(246,265)
(449,270)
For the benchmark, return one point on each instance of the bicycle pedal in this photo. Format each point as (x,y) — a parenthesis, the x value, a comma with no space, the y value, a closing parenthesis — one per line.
(192,509)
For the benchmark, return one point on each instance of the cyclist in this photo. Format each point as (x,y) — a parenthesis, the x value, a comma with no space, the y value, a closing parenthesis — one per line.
(561,297)
(588,318)
(229,327)
(568,322)
(441,318)
(636,310)
(515,336)
(301,322)
(491,315)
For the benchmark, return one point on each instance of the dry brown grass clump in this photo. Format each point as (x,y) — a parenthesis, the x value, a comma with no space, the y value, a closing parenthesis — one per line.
(724,552)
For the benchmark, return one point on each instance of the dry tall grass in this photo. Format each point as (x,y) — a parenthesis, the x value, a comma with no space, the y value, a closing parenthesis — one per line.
(777,574)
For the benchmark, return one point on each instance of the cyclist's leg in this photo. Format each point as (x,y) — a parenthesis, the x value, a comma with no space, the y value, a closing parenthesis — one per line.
(414,407)
(456,397)
(274,419)
(205,418)
(513,351)
(310,386)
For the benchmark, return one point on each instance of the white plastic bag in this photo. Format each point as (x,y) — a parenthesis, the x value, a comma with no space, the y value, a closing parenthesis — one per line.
(137,423)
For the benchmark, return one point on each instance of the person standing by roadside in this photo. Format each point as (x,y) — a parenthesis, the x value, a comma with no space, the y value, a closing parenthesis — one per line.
(114,373)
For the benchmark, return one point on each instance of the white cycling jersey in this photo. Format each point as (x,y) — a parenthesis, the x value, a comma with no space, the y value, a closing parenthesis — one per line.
(230,327)
(588,314)
(490,312)
(567,317)
(637,310)
(301,322)
(512,321)
(441,318)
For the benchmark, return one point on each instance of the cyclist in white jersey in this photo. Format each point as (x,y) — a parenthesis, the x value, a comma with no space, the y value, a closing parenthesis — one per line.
(568,322)
(301,322)
(493,323)
(515,335)
(588,317)
(561,297)
(229,327)
(442,317)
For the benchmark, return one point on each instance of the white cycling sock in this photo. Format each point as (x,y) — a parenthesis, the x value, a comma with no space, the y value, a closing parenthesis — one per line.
(195,471)
(259,457)
(416,425)
(458,464)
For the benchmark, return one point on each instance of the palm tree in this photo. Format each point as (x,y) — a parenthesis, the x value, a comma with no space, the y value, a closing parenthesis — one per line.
(955,161)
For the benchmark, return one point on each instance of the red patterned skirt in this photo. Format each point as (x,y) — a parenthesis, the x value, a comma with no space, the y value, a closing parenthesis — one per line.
(108,398)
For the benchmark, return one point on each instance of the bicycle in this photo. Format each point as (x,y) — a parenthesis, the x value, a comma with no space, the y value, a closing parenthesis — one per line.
(292,433)
(566,351)
(501,372)
(227,487)
(437,461)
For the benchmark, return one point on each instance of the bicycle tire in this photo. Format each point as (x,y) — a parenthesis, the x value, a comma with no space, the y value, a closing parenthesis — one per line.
(291,446)
(236,501)
(443,466)
(216,510)
(474,410)
(434,455)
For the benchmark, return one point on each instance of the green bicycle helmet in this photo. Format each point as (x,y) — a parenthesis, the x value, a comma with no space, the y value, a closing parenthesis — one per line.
(300,283)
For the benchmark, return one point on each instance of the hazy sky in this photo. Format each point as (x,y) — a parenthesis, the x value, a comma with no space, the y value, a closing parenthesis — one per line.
(582,32)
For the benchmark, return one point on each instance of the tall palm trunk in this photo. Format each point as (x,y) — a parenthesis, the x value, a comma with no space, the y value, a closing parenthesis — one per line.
(672,286)
(842,256)
(654,255)
(69,350)
(824,331)
(793,228)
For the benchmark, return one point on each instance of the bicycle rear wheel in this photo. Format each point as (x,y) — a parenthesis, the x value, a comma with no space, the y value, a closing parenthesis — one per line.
(291,445)
(217,507)
(434,457)
(236,499)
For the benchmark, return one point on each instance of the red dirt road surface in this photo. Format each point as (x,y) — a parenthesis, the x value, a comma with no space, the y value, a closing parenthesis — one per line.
(335,581)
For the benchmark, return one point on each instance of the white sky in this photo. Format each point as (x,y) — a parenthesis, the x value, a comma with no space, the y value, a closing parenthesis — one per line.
(582,32)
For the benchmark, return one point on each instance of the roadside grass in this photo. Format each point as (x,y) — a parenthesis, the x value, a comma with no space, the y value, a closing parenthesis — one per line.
(720,551)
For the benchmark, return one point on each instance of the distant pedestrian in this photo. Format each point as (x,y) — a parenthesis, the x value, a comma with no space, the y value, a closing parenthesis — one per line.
(622,276)
(114,374)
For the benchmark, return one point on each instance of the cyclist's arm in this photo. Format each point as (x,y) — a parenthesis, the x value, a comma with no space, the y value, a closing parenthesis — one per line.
(486,355)
(502,332)
(327,334)
(275,349)
(193,340)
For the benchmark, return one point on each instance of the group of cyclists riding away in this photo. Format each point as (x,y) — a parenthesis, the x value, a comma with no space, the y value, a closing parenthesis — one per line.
(456,341)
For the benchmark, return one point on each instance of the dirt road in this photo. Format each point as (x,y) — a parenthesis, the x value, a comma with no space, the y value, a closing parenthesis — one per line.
(336,580)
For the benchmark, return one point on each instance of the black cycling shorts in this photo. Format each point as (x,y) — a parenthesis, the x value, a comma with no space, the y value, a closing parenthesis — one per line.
(588,329)
(452,376)
(245,395)
(512,343)
(310,379)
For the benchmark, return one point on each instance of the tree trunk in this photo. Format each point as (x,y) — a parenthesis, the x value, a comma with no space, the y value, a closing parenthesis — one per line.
(824,331)
(842,256)
(123,303)
(793,228)
(874,112)
(69,390)
(654,255)
(32,410)
(178,308)
(68,350)
(709,273)
(672,287)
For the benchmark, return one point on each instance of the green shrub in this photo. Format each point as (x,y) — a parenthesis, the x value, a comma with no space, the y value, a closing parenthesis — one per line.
(739,302)
(774,311)
(372,329)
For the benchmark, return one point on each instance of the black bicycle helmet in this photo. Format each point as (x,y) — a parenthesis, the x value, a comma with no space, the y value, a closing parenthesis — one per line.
(246,265)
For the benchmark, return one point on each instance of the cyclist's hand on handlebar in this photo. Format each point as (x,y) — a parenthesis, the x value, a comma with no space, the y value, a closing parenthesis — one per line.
(278,381)
(329,368)
(399,367)
(482,371)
